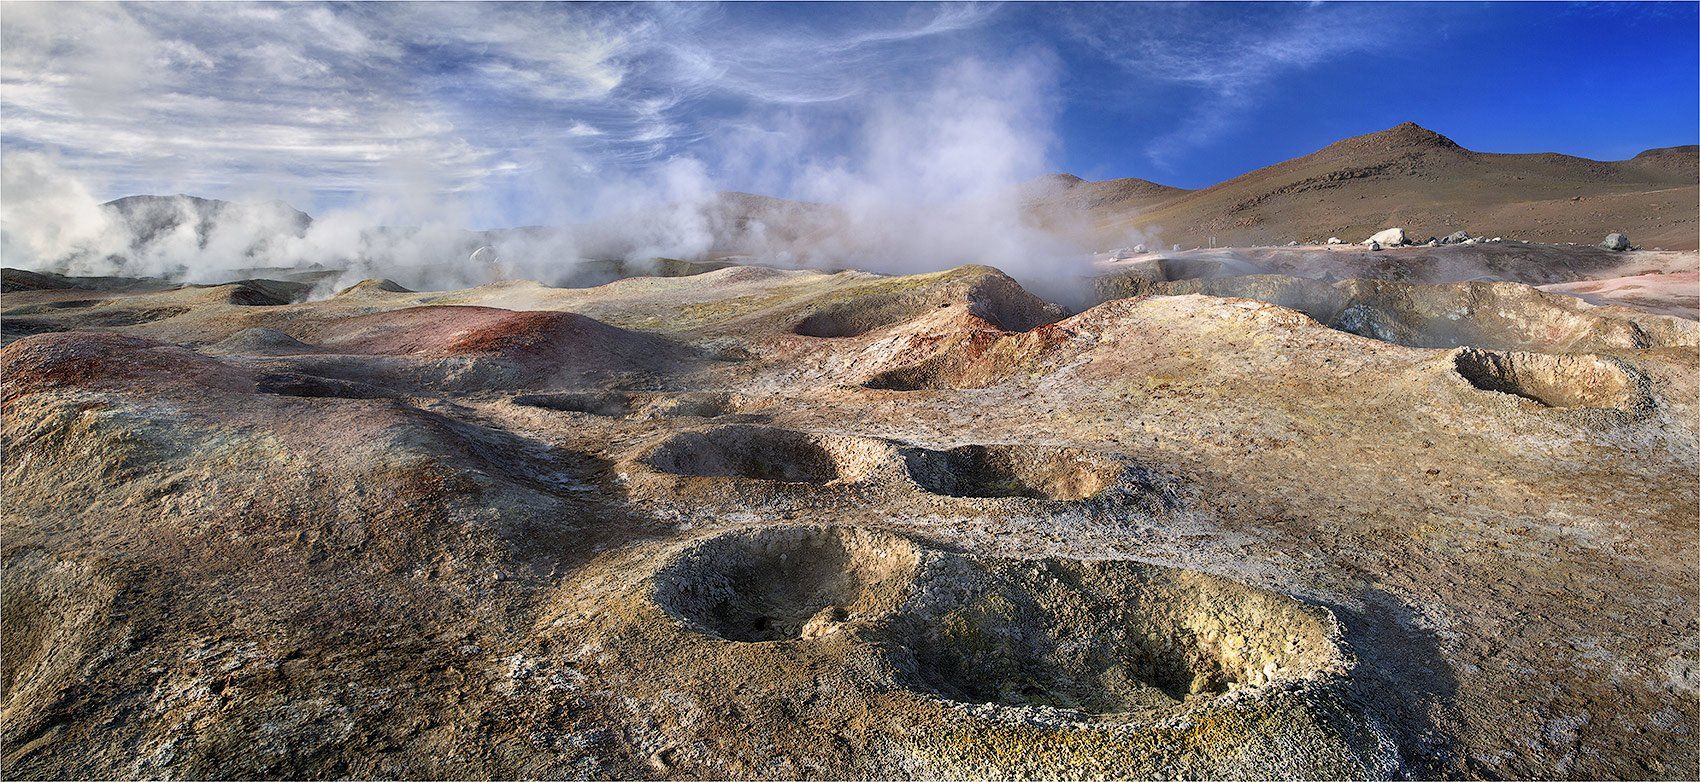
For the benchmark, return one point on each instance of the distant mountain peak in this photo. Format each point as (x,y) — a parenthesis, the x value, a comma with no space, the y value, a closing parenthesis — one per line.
(1403,137)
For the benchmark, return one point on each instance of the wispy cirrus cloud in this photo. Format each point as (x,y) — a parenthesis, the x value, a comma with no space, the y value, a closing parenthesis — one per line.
(338,97)
(1222,59)
(617,123)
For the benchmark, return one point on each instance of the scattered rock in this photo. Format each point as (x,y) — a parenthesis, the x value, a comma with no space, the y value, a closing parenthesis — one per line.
(1391,237)
(1456,237)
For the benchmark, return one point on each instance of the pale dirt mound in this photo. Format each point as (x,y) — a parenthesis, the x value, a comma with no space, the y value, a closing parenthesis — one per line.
(259,293)
(22,280)
(1676,294)
(1102,637)
(989,294)
(260,341)
(525,337)
(1565,382)
(786,583)
(120,316)
(467,349)
(969,358)
(371,288)
(740,275)
(93,359)
(1500,315)
(1033,472)
(1496,315)
(1504,261)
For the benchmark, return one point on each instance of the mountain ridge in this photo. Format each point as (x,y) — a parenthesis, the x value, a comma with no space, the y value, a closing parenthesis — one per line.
(1407,176)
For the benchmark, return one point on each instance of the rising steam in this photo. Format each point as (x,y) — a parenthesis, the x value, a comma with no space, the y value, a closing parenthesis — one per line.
(925,186)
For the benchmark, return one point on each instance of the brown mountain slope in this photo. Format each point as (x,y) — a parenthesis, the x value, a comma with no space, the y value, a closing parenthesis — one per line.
(1069,191)
(1415,178)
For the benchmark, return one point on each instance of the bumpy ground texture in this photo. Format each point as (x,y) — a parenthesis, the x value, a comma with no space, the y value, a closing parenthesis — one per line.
(1293,512)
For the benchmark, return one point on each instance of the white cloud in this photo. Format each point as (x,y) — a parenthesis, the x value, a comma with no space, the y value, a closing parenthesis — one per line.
(1226,61)
(620,120)
(333,98)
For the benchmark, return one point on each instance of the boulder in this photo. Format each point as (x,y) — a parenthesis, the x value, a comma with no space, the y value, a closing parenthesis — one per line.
(1433,242)
(1456,237)
(1616,242)
(1334,240)
(1374,245)
(1391,237)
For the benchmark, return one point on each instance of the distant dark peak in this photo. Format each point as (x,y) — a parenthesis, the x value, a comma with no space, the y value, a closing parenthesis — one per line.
(1049,184)
(1404,137)
(374,285)
(1682,162)
(1685,150)
(202,207)
(1135,183)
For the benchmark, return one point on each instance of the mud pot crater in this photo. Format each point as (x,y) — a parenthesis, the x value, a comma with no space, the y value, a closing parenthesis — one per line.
(700,404)
(1102,638)
(1571,381)
(786,583)
(608,404)
(766,453)
(993,471)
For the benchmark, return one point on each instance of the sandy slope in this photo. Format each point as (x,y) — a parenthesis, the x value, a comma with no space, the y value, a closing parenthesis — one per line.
(1415,178)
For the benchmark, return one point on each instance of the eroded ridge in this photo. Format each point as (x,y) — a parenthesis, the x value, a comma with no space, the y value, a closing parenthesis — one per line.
(1575,381)
(1033,472)
(786,583)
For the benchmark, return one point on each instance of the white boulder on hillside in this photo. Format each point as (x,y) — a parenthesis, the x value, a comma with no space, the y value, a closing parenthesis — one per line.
(1391,237)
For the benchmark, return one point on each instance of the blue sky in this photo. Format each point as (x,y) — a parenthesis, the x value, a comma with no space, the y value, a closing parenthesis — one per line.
(521,110)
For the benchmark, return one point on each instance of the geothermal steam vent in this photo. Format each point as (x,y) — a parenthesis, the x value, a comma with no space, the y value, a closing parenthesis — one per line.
(1095,637)
(759,452)
(787,582)
(1102,637)
(1033,472)
(766,453)
(1569,381)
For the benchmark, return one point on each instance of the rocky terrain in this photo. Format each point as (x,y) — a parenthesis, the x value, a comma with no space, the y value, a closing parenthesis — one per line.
(1409,176)
(1309,512)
